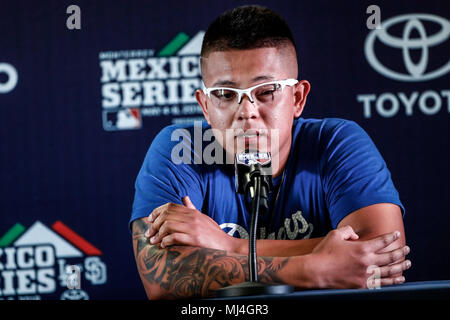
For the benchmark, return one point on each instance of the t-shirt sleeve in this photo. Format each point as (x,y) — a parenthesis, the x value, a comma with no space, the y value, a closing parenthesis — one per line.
(354,172)
(161,180)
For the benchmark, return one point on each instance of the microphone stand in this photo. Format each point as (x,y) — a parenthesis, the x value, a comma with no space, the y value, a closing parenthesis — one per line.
(258,187)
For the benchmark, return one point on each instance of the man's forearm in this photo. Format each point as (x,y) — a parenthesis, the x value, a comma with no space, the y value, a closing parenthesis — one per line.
(279,248)
(185,271)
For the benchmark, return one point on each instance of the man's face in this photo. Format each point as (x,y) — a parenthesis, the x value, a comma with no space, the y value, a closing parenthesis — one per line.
(244,125)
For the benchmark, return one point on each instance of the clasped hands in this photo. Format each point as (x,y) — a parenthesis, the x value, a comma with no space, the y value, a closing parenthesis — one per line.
(342,261)
(174,224)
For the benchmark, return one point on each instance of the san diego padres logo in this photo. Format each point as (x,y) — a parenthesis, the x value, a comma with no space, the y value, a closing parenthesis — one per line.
(417,71)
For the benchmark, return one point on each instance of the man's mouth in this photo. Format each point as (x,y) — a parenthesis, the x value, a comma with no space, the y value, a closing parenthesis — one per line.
(249,134)
(256,139)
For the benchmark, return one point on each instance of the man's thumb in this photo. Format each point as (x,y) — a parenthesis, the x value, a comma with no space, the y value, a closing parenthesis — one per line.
(348,233)
(188,203)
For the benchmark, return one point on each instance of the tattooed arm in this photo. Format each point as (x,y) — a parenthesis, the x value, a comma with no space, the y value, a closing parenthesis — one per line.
(186,271)
(337,262)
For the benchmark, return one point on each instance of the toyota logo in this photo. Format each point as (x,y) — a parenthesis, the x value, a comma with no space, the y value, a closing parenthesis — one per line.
(11,75)
(416,71)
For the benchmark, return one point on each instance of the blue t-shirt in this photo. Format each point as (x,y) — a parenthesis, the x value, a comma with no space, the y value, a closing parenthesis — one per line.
(333,169)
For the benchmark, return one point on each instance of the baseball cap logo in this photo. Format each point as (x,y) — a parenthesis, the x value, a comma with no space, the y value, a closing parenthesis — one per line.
(416,71)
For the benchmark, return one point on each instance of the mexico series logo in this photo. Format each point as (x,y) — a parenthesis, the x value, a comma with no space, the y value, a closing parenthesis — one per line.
(54,263)
(145,83)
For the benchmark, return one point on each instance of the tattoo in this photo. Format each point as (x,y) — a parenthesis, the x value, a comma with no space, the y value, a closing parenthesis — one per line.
(185,271)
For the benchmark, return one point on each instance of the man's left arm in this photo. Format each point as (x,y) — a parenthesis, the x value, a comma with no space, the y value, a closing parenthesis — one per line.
(374,220)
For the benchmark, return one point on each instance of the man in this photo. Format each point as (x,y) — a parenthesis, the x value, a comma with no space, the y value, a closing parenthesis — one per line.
(334,211)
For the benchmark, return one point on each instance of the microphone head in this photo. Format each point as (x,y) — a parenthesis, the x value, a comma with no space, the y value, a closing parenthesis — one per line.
(246,163)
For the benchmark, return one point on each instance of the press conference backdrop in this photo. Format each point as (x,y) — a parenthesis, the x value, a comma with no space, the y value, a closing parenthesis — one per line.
(84,89)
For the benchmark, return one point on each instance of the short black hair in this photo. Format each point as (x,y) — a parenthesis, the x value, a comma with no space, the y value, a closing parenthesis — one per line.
(246,27)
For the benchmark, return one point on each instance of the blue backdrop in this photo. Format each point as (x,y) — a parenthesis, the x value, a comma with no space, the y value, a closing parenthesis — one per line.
(80,107)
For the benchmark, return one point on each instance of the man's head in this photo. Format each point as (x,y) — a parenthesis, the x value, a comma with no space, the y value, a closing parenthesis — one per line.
(244,28)
(246,47)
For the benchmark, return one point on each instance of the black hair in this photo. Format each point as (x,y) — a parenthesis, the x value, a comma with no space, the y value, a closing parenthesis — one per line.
(246,27)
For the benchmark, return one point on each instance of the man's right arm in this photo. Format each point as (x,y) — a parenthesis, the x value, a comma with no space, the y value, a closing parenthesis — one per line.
(187,271)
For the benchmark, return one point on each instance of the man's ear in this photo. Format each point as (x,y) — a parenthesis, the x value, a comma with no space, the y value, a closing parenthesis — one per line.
(202,100)
(301,91)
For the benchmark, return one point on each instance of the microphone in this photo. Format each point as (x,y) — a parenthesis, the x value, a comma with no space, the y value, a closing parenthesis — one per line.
(250,165)
(253,178)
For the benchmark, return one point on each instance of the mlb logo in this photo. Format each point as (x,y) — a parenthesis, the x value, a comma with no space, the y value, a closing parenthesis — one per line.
(122,119)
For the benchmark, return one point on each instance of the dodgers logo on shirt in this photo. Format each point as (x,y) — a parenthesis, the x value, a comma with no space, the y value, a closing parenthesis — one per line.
(295,227)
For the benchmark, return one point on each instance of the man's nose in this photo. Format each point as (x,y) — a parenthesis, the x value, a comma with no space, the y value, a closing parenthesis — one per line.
(247,110)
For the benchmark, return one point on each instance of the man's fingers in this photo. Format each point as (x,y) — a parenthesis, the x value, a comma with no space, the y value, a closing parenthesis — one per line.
(392,281)
(398,268)
(390,271)
(188,203)
(155,214)
(174,214)
(170,227)
(387,275)
(378,283)
(151,231)
(175,238)
(383,241)
(391,257)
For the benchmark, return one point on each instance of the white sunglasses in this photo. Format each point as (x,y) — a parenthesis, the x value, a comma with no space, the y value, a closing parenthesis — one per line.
(263,92)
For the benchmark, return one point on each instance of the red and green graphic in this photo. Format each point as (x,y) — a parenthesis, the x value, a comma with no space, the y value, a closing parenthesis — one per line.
(66,241)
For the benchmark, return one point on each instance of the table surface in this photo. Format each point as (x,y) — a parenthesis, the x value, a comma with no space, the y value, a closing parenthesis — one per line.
(439,289)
